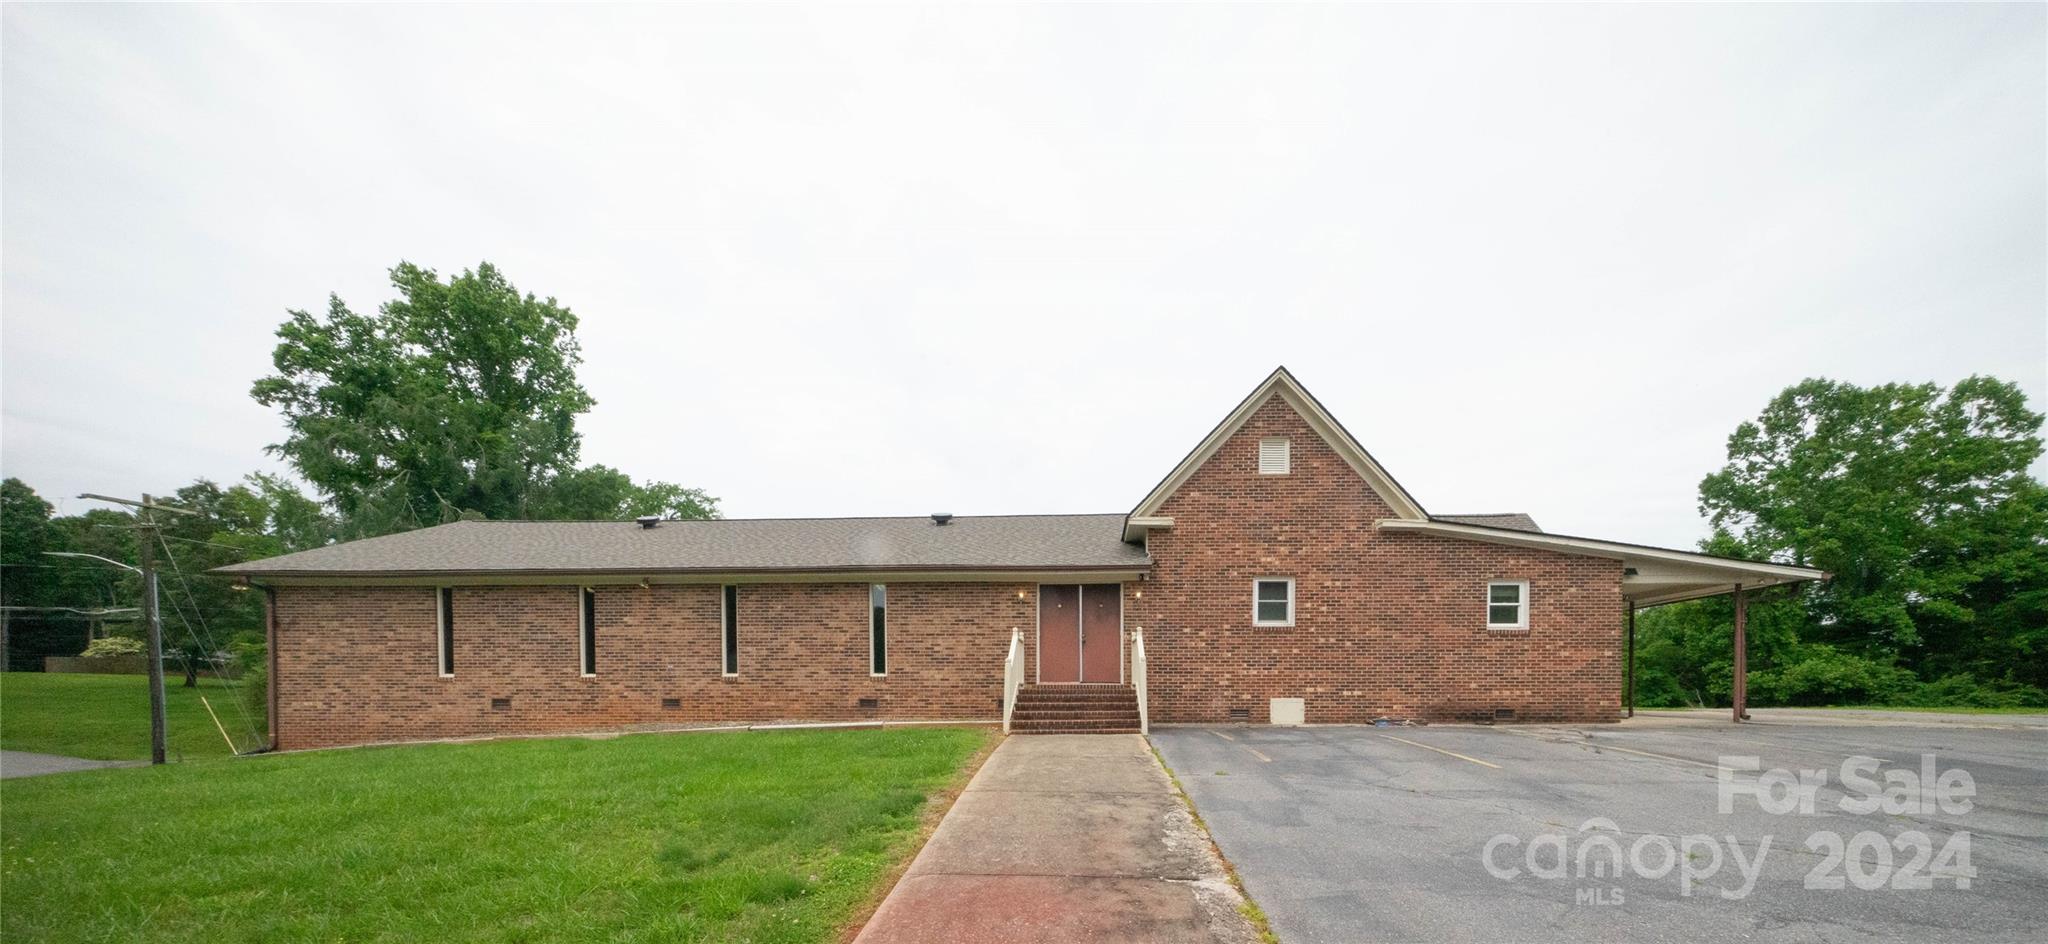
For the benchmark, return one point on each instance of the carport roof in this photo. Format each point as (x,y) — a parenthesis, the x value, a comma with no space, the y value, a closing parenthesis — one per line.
(1650,575)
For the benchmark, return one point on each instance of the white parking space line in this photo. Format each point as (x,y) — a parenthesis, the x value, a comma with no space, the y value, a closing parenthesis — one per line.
(1441,751)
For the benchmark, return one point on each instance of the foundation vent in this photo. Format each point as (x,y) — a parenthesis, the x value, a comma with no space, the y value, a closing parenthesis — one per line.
(671,703)
(501,704)
(1503,714)
(1241,714)
(870,704)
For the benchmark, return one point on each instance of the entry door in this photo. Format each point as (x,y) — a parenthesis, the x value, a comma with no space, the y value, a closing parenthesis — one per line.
(1080,633)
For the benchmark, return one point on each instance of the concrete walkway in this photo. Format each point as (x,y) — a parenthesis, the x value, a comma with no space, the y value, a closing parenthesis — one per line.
(1065,838)
(27,764)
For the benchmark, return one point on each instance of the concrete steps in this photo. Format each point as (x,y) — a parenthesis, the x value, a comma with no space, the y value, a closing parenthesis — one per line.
(1075,709)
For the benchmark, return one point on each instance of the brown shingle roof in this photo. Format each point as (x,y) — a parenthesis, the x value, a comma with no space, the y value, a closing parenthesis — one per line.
(1013,542)
(1511,520)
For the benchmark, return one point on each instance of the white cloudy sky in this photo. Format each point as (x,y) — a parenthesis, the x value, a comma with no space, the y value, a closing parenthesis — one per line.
(1019,259)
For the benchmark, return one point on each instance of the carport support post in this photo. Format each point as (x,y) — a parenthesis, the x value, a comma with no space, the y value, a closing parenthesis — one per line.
(1631,659)
(1741,682)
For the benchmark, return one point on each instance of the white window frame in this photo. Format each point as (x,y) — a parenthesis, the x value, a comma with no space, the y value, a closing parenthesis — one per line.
(586,629)
(1521,605)
(1289,581)
(441,634)
(1286,455)
(884,588)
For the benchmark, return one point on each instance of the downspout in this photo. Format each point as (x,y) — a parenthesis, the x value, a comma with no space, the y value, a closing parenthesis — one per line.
(269,660)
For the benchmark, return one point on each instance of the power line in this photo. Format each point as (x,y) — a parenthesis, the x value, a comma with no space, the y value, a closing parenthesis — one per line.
(212,644)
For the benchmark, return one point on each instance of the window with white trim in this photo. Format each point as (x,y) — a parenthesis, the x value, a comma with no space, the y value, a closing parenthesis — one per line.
(587,627)
(1273,601)
(444,624)
(1273,456)
(1507,604)
(878,629)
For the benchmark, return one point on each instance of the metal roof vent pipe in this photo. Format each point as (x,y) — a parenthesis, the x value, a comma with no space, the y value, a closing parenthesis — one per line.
(648,521)
(941,517)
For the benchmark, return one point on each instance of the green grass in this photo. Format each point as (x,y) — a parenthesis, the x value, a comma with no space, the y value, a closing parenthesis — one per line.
(1938,709)
(763,836)
(1935,709)
(106,717)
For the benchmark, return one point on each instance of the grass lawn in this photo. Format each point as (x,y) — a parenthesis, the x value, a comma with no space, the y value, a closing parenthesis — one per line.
(106,717)
(1926,708)
(761,836)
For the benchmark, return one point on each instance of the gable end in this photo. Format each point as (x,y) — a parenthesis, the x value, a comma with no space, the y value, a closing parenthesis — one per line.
(1280,383)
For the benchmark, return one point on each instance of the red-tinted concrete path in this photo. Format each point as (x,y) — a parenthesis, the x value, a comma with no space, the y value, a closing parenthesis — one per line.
(1064,838)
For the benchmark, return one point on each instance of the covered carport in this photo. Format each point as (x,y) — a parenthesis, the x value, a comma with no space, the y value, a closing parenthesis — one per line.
(1650,576)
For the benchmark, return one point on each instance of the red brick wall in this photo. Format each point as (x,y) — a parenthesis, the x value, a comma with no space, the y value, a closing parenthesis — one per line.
(360,664)
(1386,624)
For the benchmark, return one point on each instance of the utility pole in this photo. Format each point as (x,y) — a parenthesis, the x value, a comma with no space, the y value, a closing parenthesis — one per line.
(153,619)
(146,536)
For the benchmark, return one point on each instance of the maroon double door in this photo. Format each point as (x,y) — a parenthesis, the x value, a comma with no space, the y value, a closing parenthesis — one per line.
(1080,632)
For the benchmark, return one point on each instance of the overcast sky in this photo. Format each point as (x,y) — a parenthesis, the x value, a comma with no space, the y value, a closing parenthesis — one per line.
(1001,260)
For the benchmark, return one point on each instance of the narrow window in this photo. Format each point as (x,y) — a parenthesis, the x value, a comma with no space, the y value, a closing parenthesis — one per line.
(1273,601)
(445,616)
(730,610)
(589,629)
(1273,458)
(878,629)
(1507,604)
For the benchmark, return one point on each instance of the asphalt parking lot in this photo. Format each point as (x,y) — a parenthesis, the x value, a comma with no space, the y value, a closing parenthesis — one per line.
(1513,833)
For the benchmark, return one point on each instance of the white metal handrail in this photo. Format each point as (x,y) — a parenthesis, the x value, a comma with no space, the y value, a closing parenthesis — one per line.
(1013,675)
(1138,678)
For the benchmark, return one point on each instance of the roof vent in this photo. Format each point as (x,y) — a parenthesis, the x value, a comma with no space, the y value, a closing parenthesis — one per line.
(648,521)
(941,517)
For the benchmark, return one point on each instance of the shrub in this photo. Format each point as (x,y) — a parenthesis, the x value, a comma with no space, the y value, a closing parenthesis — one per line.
(1967,691)
(252,656)
(114,646)
(1823,675)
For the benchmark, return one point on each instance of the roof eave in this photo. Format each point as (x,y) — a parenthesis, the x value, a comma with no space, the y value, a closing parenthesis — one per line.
(1618,550)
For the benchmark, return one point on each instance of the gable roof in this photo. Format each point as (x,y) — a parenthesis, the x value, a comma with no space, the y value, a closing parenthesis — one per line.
(1290,390)
(724,546)
(1511,520)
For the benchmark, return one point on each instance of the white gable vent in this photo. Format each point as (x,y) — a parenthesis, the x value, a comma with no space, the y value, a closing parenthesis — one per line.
(1272,457)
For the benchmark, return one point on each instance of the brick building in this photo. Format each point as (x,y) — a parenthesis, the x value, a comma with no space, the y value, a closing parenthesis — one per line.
(1276,574)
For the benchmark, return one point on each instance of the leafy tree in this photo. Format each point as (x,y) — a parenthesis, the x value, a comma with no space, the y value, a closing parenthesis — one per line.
(457,395)
(1916,499)
(24,536)
(457,399)
(600,492)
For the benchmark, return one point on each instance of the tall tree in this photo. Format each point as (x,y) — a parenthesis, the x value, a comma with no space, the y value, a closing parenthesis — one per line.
(457,399)
(1918,500)
(458,395)
(24,536)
